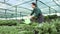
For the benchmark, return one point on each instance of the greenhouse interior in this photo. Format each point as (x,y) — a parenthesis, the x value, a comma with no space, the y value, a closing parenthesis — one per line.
(16,17)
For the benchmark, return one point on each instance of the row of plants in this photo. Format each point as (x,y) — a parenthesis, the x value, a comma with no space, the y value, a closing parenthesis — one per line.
(15,22)
(8,22)
(50,17)
(43,28)
(8,30)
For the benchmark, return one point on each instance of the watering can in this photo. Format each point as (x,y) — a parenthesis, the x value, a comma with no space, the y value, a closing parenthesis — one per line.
(27,20)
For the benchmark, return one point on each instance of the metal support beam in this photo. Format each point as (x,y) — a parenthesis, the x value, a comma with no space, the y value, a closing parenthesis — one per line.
(47,6)
(5,3)
(22,3)
(16,11)
(24,8)
(49,10)
(5,14)
(6,9)
(20,14)
(56,3)
(36,3)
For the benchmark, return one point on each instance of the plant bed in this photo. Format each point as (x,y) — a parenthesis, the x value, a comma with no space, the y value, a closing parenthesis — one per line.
(8,22)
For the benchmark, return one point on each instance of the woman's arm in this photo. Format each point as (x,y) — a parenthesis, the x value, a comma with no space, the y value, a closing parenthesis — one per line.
(32,12)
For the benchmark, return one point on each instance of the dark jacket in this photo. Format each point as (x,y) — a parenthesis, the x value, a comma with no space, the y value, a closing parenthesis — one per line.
(36,11)
(38,15)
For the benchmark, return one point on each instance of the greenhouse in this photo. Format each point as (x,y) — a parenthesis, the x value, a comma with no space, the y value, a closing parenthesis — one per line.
(15,17)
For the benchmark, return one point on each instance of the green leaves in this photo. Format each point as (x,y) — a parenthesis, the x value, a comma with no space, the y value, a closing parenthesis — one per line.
(8,30)
(42,28)
(8,22)
(49,28)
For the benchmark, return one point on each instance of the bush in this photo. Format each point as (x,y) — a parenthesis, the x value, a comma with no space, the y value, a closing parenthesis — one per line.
(8,30)
(50,17)
(42,28)
(49,28)
(26,32)
(8,22)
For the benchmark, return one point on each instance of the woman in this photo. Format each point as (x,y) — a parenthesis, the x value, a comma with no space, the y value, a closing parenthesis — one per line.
(38,17)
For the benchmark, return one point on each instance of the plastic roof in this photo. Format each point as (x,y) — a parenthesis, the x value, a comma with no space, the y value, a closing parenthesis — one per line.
(18,7)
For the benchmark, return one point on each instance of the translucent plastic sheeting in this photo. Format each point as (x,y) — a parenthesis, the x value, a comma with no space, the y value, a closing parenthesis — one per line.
(20,8)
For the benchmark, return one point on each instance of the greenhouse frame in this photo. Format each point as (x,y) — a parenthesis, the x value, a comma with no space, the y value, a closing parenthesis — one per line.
(20,8)
(16,18)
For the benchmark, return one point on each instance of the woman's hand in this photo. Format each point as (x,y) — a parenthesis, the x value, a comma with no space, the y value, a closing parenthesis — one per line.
(29,16)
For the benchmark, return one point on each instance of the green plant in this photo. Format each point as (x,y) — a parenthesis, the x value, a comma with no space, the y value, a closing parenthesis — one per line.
(43,28)
(8,22)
